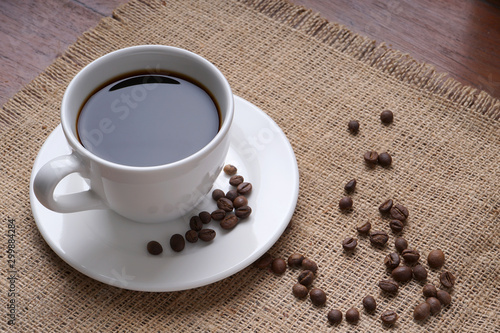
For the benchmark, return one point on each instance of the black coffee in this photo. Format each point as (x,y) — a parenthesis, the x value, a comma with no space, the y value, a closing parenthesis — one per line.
(148,120)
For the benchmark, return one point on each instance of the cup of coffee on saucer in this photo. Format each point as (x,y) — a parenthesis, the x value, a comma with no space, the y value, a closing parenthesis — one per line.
(148,130)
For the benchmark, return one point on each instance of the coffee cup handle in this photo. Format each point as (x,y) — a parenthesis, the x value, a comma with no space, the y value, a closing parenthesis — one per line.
(51,174)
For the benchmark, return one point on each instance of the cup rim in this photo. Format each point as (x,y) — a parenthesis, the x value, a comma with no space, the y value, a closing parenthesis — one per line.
(221,134)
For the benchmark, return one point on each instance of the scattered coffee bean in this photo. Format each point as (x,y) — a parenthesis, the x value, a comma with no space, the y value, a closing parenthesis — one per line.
(244,188)
(217,194)
(278,266)
(447,279)
(443,297)
(236,180)
(218,214)
(225,204)
(400,244)
(154,248)
(352,316)
(232,194)
(435,259)
(195,223)
(230,169)
(309,264)
(243,212)
(429,290)
(369,303)
(306,278)
(388,286)
(392,260)
(371,158)
(345,203)
(385,207)
(229,222)
(177,242)
(419,273)
(240,201)
(205,217)
(264,261)
(349,244)
(386,117)
(434,304)
(410,256)
(422,311)
(350,186)
(389,317)
(353,126)
(318,296)
(334,317)
(396,226)
(206,235)
(191,236)
(402,274)
(379,238)
(364,229)
(295,260)
(384,159)
(300,291)
(399,212)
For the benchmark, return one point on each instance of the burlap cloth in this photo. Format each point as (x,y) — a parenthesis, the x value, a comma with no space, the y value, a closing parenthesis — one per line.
(311,77)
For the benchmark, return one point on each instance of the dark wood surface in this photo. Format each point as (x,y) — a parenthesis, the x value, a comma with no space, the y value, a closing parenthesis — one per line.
(460,37)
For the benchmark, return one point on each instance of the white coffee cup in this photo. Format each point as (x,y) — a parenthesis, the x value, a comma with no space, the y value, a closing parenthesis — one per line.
(150,194)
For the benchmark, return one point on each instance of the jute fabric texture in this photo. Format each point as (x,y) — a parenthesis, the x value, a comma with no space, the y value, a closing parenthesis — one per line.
(311,76)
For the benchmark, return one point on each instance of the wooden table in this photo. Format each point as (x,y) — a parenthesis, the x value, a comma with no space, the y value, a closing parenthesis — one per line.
(460,37)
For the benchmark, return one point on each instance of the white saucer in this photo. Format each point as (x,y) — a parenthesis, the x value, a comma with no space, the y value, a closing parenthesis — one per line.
(112,249)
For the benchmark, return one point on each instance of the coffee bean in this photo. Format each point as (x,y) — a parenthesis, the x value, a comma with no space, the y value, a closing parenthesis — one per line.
(217,194)
(419,273)
(443,297)
(434,304)
(435,259)
(278,266)
(229,222)
(396,226)
(236,180)
(386,117)
(410,256)
(371,158)
(240,201)
(244,188)
(447,279)
(308,264)
(350,186)
(400,244)
(352,316)
(345,203)
(177,242)
(225,204)
(385,207)
(422,311)
(243,212)
(264,261)
(349,244)
(318,296)
(392,260)
(191,236)
(306,277)
(402,274)
(218,214)
(364,229)
(389,317)
(388,286)
(230,169)
(206,235)
(399,212)
(379,238)
(195,223)
(300,291)
(384,159)
(232,194)
(295,260)
(334,317)
(429,290)
(154,248)
(353,126)
(369,303)
(205,217)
